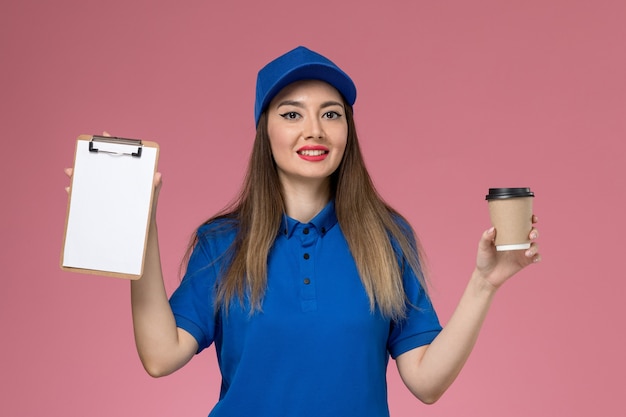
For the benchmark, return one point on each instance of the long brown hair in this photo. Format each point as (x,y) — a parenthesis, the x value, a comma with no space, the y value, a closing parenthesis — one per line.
(362,215)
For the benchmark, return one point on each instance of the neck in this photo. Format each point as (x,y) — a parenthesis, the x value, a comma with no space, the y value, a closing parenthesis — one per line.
(304,201)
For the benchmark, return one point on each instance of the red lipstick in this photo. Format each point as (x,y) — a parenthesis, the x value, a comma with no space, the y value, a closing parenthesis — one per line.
(313,153)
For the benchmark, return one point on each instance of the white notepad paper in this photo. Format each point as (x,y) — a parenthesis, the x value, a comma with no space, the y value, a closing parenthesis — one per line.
(109,209)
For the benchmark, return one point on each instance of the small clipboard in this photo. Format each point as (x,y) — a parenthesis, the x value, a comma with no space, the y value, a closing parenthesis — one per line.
(109,206)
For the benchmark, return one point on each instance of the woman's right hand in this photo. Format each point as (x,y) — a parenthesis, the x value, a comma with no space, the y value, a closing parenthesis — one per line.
(68,172)
(157,183)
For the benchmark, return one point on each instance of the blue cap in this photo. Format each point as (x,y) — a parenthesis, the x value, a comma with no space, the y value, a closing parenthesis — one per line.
(296,65)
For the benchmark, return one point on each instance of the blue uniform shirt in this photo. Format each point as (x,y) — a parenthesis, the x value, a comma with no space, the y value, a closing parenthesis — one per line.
(315,349)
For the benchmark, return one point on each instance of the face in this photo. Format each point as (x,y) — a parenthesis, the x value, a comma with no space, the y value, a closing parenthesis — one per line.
(308,132)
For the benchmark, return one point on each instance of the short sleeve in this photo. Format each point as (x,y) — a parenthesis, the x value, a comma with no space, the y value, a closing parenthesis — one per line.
(421,325)
(193,301)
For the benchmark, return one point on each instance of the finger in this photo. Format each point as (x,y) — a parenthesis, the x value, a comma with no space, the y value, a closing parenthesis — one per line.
(487,239)
(157,183)
(68,171)
(535,219)
(533,253)
(67,190)
(534,234)
(105,133)
(535,258)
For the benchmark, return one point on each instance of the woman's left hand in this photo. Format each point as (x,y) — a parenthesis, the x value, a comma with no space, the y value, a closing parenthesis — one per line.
(497,267)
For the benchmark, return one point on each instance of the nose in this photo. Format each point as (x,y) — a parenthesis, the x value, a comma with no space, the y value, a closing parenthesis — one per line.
(313,128)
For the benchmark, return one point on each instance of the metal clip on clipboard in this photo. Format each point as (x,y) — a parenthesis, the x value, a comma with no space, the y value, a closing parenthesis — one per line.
(117,141)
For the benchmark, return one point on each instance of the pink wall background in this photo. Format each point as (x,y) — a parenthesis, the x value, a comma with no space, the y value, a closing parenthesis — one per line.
(454,97)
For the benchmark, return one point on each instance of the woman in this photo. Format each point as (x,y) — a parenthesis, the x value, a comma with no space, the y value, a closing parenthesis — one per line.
(309,282)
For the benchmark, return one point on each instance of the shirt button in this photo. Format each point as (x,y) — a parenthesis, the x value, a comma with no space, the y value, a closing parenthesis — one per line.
(307,281)
(306,231)
(306,256)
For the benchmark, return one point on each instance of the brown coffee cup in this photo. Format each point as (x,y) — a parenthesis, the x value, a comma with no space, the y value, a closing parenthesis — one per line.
(511,212)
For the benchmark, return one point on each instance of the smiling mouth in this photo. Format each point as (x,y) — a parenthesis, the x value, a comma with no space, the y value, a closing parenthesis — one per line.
(312,152)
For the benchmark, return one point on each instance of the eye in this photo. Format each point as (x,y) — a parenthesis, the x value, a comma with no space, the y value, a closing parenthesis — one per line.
(331,115)
(290,115)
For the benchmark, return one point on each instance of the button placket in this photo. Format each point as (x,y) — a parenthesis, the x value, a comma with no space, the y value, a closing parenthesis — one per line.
(308,238)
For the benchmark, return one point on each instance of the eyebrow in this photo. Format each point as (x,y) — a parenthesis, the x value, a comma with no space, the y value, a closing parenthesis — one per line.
(296,103)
